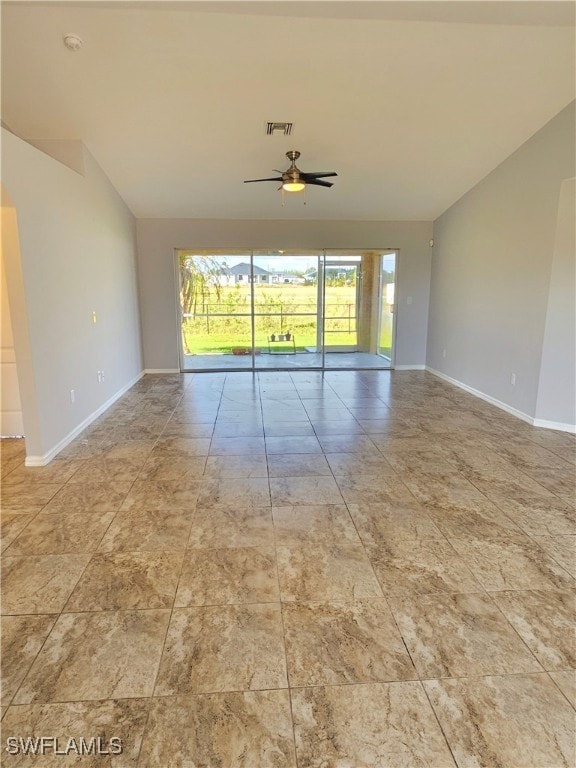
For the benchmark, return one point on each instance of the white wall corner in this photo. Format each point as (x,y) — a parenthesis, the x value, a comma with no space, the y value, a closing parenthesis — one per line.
(556,399)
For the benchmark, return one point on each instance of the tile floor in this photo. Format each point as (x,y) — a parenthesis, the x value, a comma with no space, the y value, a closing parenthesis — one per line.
(345,570)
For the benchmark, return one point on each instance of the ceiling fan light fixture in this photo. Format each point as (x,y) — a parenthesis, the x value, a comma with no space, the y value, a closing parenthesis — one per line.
(293,186)
(295,180)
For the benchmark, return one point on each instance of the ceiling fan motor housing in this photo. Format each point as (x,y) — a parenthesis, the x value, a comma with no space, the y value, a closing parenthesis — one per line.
(293,173)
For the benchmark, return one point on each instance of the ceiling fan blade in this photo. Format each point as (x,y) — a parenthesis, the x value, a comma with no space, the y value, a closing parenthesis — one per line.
(317,174)
(273,178)
(317,183)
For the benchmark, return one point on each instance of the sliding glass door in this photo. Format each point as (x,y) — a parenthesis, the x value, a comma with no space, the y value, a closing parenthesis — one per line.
(270,310)
(359,309)
(286,309)
(342,278)
(215,309)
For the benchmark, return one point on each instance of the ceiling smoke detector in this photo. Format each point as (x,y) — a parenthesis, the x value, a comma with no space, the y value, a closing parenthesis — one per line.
(73,42)
(275,129)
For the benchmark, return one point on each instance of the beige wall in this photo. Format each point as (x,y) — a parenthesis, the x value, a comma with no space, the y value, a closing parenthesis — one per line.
(157,239)
(76,256)
(491,271)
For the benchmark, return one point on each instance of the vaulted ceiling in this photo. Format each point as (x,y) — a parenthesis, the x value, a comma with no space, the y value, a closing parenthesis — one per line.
(411,103)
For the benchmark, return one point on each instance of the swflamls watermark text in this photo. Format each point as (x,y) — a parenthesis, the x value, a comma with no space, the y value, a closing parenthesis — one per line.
(54,745)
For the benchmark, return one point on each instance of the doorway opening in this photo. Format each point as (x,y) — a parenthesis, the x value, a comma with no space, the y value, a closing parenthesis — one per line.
(284,310)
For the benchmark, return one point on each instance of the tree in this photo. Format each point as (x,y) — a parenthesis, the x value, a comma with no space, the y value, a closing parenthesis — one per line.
(199,277)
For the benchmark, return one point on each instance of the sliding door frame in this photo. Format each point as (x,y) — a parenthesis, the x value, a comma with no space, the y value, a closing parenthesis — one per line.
(321,254)
(380,286)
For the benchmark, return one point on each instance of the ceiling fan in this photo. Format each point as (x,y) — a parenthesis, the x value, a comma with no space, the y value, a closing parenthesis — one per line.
(295,180)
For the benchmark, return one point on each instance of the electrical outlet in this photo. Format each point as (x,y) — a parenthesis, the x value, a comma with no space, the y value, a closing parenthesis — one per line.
(72,396)
(443,353)
(513,379)
(101,376)
(94,318)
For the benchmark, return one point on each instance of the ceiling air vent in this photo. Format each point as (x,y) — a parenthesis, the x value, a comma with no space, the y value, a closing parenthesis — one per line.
(277,129)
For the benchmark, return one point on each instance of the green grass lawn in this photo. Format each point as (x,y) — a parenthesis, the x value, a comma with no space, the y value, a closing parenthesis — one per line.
(278,309)
(198,343)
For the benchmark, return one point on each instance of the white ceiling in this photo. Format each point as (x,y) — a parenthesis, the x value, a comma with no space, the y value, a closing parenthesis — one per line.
(411,103)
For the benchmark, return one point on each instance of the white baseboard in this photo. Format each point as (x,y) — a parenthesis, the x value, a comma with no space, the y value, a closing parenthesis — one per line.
(41,461)
(545,424)
(482,396)
(162,370)
(409,367)
(559,425)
